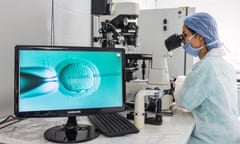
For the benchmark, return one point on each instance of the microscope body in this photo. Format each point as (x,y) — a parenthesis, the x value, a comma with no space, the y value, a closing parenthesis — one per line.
(140,117)
(155,26)
(119,28)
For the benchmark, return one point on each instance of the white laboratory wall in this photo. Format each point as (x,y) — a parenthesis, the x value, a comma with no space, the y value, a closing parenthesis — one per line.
(29,22)
(152,36)
(22,22)
(72,19)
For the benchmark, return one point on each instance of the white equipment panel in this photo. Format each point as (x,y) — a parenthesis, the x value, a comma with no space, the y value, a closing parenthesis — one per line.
(155,26)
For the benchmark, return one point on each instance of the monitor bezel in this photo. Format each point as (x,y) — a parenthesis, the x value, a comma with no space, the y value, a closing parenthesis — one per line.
(68,112)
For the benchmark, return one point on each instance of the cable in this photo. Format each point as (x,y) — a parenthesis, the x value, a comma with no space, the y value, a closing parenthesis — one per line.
(9,120)
(11,123)
(6,119)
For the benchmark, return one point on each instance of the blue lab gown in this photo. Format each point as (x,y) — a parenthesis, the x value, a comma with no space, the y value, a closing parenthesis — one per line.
(210,92)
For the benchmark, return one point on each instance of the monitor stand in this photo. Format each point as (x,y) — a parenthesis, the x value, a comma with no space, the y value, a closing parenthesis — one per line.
(71,132)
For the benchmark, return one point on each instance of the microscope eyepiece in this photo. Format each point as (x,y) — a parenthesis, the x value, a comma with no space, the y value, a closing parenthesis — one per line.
(174,41)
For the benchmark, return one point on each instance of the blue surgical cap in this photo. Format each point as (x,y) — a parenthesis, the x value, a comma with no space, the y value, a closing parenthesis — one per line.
(205,25)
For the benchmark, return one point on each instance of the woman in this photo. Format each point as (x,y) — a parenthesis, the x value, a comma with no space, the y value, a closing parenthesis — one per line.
(209,91)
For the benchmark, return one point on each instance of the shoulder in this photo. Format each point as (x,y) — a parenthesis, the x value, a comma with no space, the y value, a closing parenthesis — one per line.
(202,66)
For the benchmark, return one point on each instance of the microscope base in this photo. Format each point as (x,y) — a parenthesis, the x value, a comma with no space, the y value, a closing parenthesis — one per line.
(153,121)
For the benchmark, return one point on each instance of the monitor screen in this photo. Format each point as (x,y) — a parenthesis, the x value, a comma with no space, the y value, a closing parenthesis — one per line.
(63,81)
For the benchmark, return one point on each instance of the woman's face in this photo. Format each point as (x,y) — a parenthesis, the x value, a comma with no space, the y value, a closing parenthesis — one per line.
(196,41)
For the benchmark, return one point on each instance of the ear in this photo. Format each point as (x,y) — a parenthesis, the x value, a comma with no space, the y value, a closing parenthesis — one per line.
(200,37)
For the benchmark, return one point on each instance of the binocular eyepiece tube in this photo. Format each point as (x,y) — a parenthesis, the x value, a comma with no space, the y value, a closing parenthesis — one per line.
(174,41)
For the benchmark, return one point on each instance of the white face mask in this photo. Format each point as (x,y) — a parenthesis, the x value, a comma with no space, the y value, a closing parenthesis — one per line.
(189,49)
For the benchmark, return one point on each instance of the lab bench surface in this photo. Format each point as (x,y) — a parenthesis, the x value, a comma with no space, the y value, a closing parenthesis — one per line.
(175,129)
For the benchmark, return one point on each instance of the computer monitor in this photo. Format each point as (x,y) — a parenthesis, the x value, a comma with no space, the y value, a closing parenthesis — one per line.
(64,81)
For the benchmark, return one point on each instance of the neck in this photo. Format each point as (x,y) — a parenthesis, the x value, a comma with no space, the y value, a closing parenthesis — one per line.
(203,52)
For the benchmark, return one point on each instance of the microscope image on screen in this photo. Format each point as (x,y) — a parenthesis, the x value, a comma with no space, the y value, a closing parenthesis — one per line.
(72,77)
(67,80)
